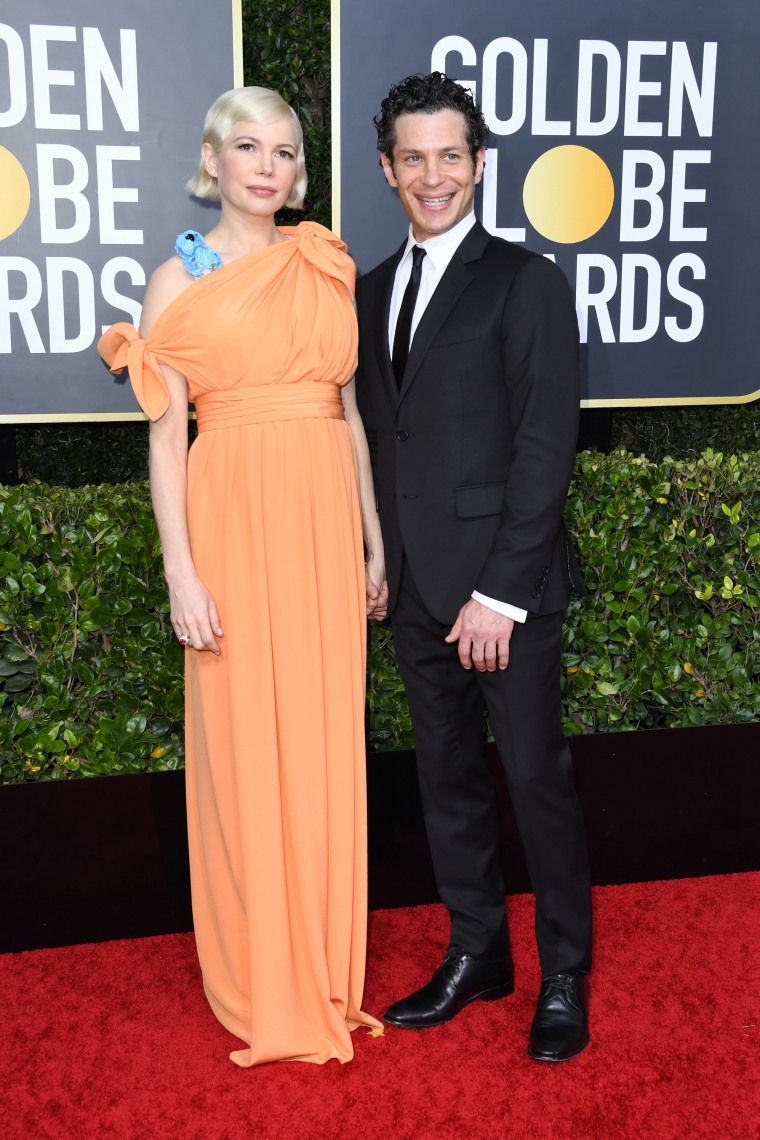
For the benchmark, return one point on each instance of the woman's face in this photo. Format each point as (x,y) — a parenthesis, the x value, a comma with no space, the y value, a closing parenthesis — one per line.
(256,167)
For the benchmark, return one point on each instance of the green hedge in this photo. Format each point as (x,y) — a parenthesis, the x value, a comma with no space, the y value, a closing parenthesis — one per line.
(671,633)
(286,46)
(91,675)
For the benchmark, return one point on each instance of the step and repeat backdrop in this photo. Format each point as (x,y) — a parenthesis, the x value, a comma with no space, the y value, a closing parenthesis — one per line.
(624,144)
(101,114)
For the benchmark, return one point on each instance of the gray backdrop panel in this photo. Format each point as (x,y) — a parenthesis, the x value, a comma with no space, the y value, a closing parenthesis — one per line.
(184,53)
(381,41)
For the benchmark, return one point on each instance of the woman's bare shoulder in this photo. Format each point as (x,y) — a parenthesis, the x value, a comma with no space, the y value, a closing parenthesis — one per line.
(166,283)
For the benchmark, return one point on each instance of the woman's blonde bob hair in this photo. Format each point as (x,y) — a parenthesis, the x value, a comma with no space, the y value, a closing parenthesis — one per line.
(250,105)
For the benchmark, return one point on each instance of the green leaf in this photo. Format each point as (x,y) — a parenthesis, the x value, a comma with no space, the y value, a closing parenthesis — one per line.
(95,617)
(18,683)
(136,724)
(14,652)
(606,689)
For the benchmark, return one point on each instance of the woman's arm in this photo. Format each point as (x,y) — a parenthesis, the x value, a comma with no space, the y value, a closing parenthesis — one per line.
(193,611)
(377,586)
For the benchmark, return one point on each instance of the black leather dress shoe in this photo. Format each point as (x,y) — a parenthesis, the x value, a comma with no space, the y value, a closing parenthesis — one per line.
(560,1026)
(458,981)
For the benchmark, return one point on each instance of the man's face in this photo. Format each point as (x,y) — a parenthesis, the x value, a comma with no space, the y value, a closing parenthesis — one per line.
(433,170)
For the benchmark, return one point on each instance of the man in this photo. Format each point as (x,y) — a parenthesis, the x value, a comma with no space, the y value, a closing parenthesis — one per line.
(468,379)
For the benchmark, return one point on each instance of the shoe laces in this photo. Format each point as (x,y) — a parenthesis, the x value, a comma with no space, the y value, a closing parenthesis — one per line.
(453,954)
(566,982)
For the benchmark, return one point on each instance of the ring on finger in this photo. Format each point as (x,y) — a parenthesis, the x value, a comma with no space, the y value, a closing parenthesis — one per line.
(184,639)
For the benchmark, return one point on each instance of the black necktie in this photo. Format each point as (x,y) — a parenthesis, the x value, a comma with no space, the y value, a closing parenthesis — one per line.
(403,334)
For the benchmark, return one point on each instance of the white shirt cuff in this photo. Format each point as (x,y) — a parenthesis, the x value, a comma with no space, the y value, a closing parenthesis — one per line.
(504,608)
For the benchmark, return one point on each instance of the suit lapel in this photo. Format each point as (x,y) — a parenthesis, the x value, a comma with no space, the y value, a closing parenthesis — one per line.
(455,280)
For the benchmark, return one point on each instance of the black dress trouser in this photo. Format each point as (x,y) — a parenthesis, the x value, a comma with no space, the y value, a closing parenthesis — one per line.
(446,703)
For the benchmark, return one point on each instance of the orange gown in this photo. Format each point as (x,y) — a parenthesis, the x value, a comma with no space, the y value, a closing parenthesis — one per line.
(275,752)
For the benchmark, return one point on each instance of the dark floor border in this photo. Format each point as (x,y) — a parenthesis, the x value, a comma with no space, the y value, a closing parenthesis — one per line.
(88,860)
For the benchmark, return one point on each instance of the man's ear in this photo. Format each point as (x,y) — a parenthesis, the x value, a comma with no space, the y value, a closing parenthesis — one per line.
(387,165)
(480,162)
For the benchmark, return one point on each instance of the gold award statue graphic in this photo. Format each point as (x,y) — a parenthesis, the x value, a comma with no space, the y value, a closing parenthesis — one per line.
(14,203)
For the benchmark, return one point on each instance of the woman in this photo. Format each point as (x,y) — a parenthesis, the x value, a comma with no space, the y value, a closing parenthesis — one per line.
(261,528)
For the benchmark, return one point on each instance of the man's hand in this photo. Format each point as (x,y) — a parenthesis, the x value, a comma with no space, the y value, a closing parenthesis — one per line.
(483,636)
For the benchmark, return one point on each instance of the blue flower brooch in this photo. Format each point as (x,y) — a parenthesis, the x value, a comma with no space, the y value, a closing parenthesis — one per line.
(198,258)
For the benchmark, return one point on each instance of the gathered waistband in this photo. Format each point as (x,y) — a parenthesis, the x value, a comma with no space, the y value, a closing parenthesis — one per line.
(235,407)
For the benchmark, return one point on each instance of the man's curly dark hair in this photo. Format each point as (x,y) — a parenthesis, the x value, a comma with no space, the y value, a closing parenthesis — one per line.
(426,94)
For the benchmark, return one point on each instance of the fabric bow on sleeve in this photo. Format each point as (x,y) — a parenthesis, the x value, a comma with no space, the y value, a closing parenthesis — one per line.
(121,347)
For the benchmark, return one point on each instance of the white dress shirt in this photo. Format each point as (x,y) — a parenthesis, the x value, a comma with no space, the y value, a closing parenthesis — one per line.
(439,250)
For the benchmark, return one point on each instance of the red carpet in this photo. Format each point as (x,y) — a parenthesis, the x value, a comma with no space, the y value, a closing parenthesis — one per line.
(116,1039)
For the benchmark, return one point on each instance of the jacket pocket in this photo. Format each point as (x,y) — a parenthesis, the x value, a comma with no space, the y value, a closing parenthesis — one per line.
(479,499)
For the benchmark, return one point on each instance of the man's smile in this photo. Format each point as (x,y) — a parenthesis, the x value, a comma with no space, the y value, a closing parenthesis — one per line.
(441,201)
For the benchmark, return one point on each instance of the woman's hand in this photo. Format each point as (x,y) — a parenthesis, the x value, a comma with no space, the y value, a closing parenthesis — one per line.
(194,614)
(377,589)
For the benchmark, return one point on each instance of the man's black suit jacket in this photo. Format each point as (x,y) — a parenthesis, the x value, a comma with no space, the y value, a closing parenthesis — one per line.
(473,456)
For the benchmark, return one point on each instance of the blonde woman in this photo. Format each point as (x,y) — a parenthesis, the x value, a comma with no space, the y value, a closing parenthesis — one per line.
(265,526)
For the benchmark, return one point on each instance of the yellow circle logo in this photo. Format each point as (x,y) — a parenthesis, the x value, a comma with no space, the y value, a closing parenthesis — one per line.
(14,202)
(568,194)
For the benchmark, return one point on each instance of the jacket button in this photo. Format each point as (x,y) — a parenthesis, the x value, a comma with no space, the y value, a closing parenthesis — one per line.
(402,436)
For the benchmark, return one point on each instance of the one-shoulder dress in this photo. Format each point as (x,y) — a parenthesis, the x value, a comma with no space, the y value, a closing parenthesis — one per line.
(275,751)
